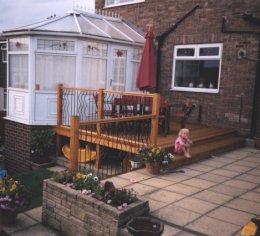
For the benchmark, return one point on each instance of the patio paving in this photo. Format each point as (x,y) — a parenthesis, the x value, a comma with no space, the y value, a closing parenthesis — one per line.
(216,197)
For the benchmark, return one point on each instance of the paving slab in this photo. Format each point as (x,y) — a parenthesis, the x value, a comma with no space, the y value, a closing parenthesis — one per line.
(228,190)
(237,168)
(233,216)
(214,227)
(165,196)
(240,184)
(142,189)
(200,167)
(250,178)
(213,178)
(213,197)
(226,173)
(174,177)
(245,163)
(156,182)
(244,205)
(195,205)
(183,189)
(176,215)
(214,163)
(37,230)
(199,183)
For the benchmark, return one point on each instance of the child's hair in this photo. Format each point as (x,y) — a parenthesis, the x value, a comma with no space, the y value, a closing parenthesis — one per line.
(184,131)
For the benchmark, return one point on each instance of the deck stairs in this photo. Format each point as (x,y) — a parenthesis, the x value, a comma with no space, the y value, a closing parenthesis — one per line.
(207,142)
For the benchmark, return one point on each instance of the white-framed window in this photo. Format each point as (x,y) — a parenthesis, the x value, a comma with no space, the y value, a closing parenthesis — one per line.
(18,71)
(196,68)
(94,64)
(135,61)
(114,3)
(4,53)
(55,45)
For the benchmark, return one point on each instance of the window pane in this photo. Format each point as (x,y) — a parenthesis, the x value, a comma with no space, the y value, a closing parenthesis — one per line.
(197,73)
(93,48)
(18,71)
(209,51)
(94,73)
(54,69)
(55,45)
(185,52)
(19,44)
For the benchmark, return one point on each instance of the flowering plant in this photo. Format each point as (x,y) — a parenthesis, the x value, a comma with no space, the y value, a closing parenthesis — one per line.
(14,196)
(90,185)
(155,155)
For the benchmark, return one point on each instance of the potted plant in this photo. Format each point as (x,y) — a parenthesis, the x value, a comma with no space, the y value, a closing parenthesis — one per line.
(14,198)
(42,144)
(155,158)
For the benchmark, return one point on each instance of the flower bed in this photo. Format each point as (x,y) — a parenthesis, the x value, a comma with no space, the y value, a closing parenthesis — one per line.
(77,212)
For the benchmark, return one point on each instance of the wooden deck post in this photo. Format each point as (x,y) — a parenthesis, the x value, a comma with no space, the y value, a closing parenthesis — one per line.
(154,122)
(59,118)
(99,117)
(74,142)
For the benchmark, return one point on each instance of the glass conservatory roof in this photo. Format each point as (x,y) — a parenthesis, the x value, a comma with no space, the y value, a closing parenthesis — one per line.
(85,24)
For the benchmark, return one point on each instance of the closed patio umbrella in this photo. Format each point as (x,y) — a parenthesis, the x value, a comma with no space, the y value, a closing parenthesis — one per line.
(146,77)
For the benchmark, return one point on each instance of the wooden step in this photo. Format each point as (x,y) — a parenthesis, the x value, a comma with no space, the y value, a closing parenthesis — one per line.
(203,151)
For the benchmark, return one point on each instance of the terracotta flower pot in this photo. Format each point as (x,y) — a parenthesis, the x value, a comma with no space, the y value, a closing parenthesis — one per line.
(7,217)
(153,168)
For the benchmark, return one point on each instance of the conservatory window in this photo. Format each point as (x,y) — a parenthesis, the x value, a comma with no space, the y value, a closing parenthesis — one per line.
(19,44)
(4,53)
(110,3)
(135,60)
(18,71)
(196,68)
(51,69)
(55,45)
(94,64)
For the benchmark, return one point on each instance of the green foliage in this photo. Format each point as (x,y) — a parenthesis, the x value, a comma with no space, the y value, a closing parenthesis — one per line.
(42,141)
(33,180)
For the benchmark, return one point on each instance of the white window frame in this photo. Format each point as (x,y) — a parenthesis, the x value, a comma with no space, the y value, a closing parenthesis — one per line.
(121,3)
(196,56)
(4,53)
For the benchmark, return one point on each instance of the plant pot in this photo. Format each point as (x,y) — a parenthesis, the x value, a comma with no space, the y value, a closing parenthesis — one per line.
(257,142)
(135,164)
(46,164)
(7,217)
(145,226)
(153,168)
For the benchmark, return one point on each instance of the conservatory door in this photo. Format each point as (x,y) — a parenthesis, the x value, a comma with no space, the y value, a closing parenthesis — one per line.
(118,73)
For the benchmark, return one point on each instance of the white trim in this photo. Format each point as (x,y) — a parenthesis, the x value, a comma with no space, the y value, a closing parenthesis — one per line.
(124,3)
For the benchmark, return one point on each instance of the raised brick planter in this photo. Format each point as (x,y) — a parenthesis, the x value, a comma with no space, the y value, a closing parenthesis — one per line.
(72,213)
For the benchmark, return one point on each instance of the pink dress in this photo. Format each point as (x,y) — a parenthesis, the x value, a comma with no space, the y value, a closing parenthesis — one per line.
(178,143)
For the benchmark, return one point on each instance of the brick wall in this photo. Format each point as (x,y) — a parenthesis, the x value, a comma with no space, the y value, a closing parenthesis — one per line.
(72,213)
(17,147)
(2,114)
(232,106)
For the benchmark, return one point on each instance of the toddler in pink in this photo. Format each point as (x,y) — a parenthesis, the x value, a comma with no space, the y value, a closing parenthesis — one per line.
(183,143)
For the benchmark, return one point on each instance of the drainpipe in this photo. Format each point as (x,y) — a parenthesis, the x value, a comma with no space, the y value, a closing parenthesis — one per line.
(161,38)
(254,21)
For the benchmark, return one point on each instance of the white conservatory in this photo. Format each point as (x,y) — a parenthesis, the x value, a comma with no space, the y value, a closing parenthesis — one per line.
(78,50)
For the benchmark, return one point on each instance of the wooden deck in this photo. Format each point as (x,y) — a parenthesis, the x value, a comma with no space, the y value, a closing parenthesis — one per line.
(207,141)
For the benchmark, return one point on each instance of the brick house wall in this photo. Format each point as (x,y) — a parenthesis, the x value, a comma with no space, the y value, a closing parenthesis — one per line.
(232,106)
